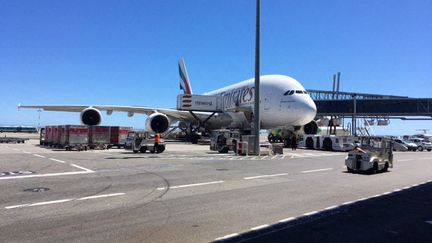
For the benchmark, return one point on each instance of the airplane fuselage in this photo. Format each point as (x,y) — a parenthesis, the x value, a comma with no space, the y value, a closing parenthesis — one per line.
(283,102)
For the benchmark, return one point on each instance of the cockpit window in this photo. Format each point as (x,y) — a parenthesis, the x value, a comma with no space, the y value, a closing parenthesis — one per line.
(299,92)
(305,92)
(289,92)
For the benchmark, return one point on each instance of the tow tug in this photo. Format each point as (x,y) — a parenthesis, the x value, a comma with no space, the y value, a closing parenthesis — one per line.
(373,154)
(142,142)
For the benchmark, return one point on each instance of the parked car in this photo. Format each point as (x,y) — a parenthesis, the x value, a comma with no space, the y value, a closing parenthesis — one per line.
(410,145)
(399,145)
(422,144)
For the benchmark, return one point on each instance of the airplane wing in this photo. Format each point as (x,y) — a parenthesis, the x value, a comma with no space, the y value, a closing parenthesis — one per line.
(173,114)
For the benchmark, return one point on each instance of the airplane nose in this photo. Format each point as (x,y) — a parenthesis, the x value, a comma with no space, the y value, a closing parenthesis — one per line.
(310,109)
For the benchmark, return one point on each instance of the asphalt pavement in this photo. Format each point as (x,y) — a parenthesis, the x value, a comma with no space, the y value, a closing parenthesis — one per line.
(190,194)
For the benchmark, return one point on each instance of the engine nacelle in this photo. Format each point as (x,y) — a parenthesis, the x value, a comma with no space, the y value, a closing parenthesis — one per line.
(310,128)
(91,117)
(157,122)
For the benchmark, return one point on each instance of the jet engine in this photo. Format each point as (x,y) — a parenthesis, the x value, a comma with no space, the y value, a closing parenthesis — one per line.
(311,128)
(157,122)
(91,116)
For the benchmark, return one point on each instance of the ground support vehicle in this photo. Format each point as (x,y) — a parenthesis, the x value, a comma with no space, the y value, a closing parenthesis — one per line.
(422,144)
(143,141)
(373,155)
(12,140)
(74,137)
(99,137)
(54,136)
(119,135)
(224,140)
(329,142)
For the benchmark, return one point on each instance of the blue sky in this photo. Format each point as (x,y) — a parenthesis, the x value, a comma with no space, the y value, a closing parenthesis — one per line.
(126,52)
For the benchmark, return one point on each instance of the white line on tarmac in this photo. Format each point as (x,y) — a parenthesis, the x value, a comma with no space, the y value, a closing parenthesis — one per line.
(401,160)
(191,185)
(264,176)
(287,219)
(57,160)
(38,155)
(260,227)
(16,149)
(46,175)
(101,196)
(26,152)
(310,213)
(38,204)
(317,170)
(331,207)
(226,236)
(63,200)
(80,167)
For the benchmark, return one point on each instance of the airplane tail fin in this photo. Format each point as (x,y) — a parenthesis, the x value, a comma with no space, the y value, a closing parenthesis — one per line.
(184,78)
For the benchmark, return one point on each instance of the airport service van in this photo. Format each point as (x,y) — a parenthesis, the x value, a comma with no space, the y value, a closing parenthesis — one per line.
(422,144)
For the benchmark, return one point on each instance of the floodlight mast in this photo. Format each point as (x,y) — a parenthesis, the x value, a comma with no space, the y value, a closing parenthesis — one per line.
(256,126)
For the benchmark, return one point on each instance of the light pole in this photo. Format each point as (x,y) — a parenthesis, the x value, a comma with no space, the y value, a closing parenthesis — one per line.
(256,127)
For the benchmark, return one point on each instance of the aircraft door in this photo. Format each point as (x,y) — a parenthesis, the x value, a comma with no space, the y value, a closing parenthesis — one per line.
(267,101)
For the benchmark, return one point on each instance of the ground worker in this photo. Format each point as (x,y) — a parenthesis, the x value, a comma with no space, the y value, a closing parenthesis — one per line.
(157,140)
(294,142)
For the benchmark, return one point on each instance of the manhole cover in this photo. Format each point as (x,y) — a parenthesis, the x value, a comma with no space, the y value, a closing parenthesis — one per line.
(37,189)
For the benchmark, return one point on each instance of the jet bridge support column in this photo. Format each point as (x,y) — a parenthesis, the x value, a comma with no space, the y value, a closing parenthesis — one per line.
(354,117)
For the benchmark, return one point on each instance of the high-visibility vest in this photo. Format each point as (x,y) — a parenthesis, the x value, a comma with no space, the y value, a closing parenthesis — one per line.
(157,138)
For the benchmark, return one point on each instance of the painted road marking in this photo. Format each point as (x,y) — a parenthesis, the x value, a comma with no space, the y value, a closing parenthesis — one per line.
(287,219)
(264,176)
(227,236)
(260,227)
(38,204)
(80,167)
(26,152)
(191,185)
(310,213)
(101,196)
(38,155)
(317,170)
(64,200)
(57,160)
(401,160)
(331,207)
(47,175)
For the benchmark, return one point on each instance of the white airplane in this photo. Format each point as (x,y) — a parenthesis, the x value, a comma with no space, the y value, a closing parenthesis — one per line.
(284,104)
